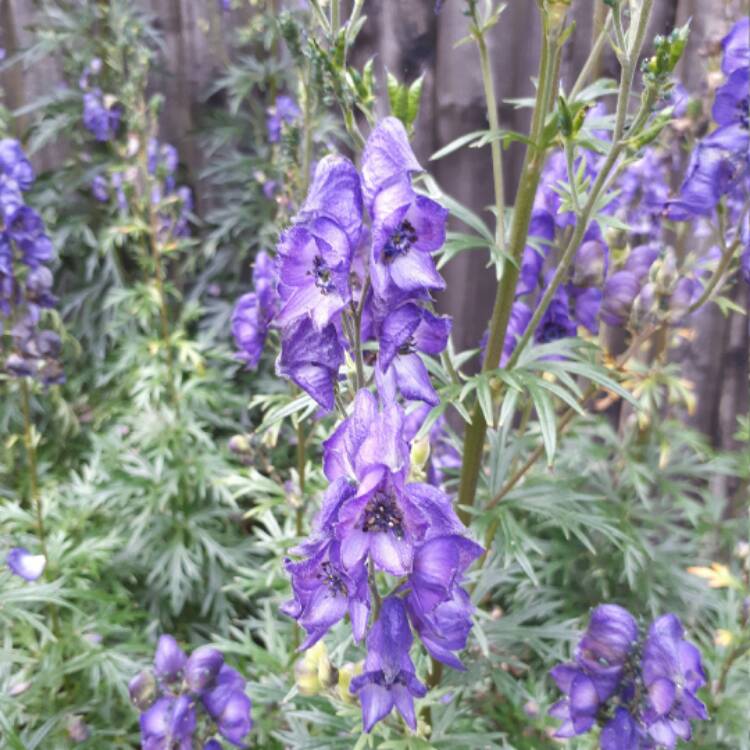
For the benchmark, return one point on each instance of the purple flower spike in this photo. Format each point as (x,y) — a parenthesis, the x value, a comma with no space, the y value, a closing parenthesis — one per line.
(312,359)
(202,667)
(389,679)
(25,565)
(169,659)
(406,331)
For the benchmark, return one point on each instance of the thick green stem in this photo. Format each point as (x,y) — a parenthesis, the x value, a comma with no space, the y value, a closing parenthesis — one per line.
(530,175)
(301,462)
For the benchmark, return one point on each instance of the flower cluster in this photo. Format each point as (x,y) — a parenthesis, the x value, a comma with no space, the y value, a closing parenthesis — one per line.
(25,279)
(173,203)
(372,515)
(186,701)
(101,112)
(641,689)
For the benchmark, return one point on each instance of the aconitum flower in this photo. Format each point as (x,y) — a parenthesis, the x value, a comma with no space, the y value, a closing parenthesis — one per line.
(311,359)
(101,115)
(541,236)
(605,683)
(620,291)
(556,322)
(14,165)
(324,591)
(186,693)
(406,227)
(736,47)
(732,99)
(285,110)
(315,254)
(520,317)
(25,565)
(672,674)
(389,678)
(404,333)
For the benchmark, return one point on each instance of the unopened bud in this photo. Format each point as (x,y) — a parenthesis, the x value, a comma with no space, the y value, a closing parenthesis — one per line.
(345,676)
(142,689)
(77,729)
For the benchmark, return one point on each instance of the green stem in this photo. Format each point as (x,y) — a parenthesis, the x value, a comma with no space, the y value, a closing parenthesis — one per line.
(34,495)
(301,462)
(495,144)
(530,174)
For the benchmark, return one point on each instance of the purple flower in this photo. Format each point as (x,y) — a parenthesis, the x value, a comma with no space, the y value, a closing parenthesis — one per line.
(556,322)
(733,99)
(595,675)
(316,253)
(101,119)
(14,164)
(22,563)
(285,110)
(100,188)
(169,723)
(406,227)
(672,674)
(745,265)
(716,165)
(25,227)
(736,47)
(389,679)
(520,317)
(586,307)
(621,733)
(169,659)
(202,667)
(142,690)
(324,592)
(228,705)
(640,260)
(620,291)
(311,359)
(406,331)
(591,263)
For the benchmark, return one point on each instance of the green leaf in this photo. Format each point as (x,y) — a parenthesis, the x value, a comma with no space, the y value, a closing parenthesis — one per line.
(456,144)
(547,420)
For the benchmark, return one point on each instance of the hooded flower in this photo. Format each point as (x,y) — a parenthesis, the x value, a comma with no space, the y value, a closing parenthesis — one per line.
(316,253)
(169,723)
(736,47)
(312,359)
(556,322)
(406,227)
(324,592)
(101,116)
(672,674)
(254,311)
(541,236)
(169,659)
(404,333)
(620,291)
(25,565)
(732,99)
(14,164)
(227,704)
(389,678)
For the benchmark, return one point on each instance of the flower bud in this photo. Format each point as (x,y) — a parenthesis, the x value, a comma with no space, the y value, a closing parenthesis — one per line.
(169,658)
(202,667)
(306,677)
(619,293)
(420,453)
(591,263)
(345,675)
(142,689)
(77,729)
(239,444)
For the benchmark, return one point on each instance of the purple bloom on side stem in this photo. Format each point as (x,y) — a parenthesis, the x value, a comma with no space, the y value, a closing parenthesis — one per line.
(100,118)
(406,331)
(25,565)
(672,674)
(284,110)
(389,678)
(312,359)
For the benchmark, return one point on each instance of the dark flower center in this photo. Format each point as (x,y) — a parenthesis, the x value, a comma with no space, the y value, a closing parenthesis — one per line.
(379,678)
(382,514)
(400,241)
(332,579)
(553,332)
(408,347)
(322,275)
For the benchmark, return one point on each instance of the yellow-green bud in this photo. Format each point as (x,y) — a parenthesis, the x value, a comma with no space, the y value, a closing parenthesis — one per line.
(346,674)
